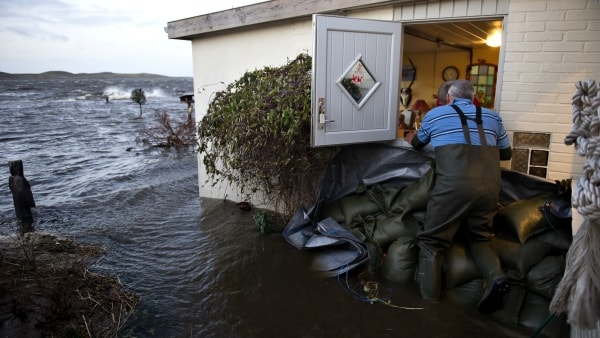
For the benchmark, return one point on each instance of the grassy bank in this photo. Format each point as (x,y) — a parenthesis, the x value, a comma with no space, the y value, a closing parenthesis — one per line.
(46,290)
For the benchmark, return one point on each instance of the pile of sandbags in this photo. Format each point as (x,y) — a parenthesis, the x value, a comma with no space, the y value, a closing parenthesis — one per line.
(379,193)
(532,239)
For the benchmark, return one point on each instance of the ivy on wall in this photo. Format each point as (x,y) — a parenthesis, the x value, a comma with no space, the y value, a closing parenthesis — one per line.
(256,135)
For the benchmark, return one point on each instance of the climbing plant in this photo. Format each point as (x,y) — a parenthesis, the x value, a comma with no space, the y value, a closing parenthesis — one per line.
(256,135)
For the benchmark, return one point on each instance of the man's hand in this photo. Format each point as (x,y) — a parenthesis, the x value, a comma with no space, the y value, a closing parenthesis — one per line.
(409,136)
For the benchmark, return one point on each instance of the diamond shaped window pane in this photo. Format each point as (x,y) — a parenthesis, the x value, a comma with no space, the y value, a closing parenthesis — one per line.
(357,82)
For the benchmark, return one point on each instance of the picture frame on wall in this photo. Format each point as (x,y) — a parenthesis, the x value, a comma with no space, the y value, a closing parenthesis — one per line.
(408,73)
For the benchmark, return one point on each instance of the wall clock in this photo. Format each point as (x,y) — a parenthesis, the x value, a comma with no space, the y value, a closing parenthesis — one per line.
(450,73)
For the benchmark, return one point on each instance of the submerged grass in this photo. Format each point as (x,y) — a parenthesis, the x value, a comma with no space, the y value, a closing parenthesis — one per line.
(46,290)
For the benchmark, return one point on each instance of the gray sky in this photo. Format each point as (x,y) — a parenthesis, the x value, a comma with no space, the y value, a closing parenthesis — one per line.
(89,36)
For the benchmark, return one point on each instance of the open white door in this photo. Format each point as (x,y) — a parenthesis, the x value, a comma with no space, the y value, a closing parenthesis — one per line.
(356,73)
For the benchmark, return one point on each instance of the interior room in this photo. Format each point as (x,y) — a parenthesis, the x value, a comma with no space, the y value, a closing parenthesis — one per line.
(435,52)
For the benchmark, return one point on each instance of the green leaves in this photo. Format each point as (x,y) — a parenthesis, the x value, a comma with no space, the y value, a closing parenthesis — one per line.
(256,134)
(261,221)
(138,96)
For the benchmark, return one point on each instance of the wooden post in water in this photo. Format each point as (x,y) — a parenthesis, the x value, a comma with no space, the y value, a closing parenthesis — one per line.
(189,99)
(22,196)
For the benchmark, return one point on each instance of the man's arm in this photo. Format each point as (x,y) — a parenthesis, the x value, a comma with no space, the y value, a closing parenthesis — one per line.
(414,140)
(416,143)
(506,154)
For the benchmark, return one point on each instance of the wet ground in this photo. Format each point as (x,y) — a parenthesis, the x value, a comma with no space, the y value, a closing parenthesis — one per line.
(267,290)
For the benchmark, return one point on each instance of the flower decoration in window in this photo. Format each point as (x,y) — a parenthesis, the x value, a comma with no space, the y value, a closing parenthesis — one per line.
(357,82)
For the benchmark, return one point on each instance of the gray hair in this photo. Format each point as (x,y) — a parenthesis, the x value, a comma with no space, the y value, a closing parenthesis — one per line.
(443,91)
(462,89)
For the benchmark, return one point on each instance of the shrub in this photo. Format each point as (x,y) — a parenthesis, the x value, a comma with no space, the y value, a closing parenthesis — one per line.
(256,135)
(168,133)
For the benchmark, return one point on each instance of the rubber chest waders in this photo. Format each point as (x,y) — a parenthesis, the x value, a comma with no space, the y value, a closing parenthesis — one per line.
(466,190)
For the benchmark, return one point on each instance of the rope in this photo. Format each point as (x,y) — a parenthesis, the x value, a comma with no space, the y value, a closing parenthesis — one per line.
(578,293)
(585,135)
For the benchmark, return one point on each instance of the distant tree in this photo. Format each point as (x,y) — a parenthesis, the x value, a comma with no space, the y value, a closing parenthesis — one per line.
(138,96)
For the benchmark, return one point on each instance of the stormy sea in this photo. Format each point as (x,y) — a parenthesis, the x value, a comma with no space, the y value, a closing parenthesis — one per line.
(199,266)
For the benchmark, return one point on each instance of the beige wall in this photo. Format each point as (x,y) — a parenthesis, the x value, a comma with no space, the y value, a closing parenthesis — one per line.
(223,58)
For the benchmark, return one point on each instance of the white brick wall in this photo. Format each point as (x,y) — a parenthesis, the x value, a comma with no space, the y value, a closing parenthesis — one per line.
(550,45)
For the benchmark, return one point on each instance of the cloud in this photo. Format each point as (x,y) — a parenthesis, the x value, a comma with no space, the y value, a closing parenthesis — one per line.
(28,32)
(50,19)
(98,35)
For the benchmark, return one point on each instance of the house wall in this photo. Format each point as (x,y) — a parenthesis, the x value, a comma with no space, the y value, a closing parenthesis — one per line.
(550,45)
(220,59)
(547,47)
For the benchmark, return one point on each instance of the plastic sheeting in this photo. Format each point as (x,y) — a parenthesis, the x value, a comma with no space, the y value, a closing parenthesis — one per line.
(391,164)
(395,164)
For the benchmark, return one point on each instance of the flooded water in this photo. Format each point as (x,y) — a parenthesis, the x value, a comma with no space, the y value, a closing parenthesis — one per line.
(199,266)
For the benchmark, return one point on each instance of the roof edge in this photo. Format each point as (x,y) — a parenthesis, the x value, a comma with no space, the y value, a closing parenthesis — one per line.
(263,12)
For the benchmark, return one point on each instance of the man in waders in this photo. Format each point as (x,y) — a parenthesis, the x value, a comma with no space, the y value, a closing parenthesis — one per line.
(469,142)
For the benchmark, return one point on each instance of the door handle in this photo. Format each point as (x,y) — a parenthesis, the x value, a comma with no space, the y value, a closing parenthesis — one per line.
(322,114)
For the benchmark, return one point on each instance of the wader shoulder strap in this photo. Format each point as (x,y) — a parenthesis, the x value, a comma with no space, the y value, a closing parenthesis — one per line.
(478,120)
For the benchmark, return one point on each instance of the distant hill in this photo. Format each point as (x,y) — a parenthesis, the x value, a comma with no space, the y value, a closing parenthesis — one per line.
(66,75)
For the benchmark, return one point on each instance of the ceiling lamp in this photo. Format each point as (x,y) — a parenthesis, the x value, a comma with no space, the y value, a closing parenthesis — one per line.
(494,39)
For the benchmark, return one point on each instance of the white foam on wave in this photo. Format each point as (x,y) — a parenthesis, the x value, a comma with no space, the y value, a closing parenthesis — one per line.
(84,97)
(122,93)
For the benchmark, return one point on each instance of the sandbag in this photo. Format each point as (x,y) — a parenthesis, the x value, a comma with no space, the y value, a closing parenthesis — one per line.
(391,228)
(390,196)
(333,210)
(528,217)
(467,293)
(401,260)
(544,277)
(403,214)
(357,205)
(459,266)
(414,197)
(362,227)
(520,257)
(559,239)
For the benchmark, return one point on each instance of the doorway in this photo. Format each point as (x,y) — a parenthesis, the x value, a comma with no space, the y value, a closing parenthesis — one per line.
(434,52)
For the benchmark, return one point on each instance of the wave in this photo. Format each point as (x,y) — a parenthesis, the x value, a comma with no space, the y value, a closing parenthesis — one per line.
(124,93)
(84,97)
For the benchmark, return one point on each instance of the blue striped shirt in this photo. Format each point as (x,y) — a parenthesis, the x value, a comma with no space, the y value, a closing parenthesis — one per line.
(441,126)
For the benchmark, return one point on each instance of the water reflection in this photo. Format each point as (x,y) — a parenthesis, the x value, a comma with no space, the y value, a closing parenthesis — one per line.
(243,284)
